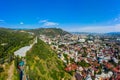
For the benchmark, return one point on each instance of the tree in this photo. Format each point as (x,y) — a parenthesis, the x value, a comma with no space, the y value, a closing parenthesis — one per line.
(83,64)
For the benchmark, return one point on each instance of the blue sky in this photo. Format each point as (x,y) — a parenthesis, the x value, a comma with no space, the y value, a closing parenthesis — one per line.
(70,15)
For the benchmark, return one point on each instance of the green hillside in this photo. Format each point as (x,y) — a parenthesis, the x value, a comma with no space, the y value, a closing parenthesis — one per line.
(43,64)
(11,40)
(52,32)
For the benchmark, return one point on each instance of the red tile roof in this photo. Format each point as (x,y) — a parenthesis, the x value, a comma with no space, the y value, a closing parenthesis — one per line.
(71,67)
(118,77)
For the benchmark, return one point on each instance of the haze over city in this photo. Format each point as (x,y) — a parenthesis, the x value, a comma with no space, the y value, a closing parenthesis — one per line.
(71,15)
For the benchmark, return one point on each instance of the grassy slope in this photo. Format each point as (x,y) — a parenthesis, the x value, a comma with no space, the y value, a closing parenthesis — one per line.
(43,64)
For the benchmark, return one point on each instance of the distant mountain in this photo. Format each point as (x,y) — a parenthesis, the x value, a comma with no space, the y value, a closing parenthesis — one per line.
(112,33)
(5,29)
(79,33)
(85,33)
(49,31)
(115,32)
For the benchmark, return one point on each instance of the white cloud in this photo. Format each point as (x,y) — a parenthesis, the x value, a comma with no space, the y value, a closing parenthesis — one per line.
(117,19)
(21,23)
(46,23)
(2,21)
(50,24)
(43,21)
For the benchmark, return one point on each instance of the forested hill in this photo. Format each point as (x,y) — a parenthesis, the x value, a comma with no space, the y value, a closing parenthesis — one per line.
(11,40)
(43,64)
(49,31)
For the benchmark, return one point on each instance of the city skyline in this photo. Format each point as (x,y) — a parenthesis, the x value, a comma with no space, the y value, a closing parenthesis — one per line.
(70,15)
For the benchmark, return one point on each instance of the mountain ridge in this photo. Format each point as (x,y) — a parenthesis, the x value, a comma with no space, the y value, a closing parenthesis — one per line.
(52,32)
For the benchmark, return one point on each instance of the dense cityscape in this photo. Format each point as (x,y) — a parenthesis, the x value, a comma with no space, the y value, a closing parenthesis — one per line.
(88,56)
